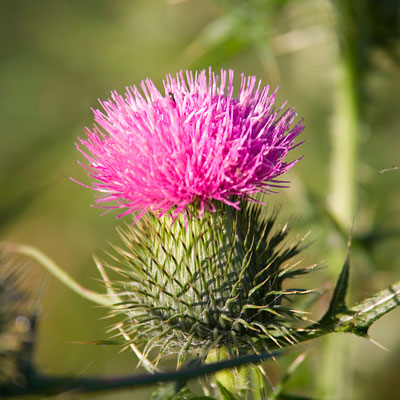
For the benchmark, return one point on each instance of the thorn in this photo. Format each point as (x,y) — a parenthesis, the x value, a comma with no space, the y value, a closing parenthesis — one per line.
(105,278)
(378,344)
(142,358)
(393,168)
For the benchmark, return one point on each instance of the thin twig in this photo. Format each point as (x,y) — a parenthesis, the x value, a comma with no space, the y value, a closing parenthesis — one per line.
(58,272)
(48,385)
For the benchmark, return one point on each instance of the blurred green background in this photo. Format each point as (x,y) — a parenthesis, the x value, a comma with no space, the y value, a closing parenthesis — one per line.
(59,56)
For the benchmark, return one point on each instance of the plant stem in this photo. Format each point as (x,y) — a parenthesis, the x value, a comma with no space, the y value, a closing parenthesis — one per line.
(51,385)
(344,145)
(58,273)
(336,369)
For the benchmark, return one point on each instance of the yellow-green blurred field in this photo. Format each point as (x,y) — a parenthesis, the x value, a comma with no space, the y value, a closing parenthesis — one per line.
(58,57)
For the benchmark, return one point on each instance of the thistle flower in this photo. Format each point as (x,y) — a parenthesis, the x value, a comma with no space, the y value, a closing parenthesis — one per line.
(194,144)
(197,150)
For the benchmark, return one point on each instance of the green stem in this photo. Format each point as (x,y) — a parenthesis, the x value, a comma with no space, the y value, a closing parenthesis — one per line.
(344,145)
(345,133)
(337,360)
(59,273)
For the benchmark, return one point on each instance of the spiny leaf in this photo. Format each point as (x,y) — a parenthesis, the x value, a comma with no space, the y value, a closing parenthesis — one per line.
(337,304)
(364,314)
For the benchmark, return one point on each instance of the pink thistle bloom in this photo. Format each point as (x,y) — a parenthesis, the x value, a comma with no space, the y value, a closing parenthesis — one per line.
(195,143)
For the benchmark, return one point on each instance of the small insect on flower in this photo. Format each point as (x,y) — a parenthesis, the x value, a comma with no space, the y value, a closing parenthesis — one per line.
(171,96)
(146,155)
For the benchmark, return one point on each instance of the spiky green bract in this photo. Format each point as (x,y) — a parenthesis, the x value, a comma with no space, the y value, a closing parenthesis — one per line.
(208,282)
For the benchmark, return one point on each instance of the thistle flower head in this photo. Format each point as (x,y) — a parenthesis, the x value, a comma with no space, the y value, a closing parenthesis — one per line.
(217,282)
(194,143)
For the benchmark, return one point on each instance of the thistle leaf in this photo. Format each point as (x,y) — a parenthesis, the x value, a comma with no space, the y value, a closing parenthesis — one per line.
(364,314)
(337,304)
